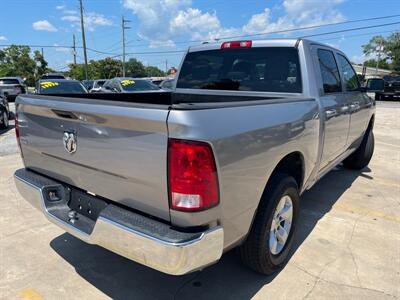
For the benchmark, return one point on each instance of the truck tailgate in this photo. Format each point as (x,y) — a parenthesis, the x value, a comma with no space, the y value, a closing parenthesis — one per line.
(121,148)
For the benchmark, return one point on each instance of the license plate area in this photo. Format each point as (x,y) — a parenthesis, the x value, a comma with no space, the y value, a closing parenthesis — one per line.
(86,204)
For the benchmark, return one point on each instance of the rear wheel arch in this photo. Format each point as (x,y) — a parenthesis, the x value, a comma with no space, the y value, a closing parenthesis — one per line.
(292,165)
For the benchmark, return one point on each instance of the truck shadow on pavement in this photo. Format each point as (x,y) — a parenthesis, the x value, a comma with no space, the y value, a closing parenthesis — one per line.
(120,278)
(9,128)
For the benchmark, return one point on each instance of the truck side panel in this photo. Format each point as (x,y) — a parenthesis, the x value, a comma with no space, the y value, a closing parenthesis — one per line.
(248,143)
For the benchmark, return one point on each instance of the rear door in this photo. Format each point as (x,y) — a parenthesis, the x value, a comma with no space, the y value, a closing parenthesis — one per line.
(334,104)
(116,150)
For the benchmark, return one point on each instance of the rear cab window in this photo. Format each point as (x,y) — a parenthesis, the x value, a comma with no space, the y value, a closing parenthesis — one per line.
(259,69)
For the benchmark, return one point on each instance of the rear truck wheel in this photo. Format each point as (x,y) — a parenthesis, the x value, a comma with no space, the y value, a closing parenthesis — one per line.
(4,120)
(268,244)
(377,96)
(362,156)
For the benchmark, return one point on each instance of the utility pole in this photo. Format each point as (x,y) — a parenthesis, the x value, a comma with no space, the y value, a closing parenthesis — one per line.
(166,66)
(83,40)
(42,53)
(74,48)
(124,27)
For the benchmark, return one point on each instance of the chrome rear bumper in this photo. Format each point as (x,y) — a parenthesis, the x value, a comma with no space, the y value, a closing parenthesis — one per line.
(131,235)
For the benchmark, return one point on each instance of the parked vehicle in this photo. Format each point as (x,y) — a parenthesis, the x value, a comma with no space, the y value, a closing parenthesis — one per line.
(4,111)
(97,85)
(13,86)
(88,84)
(52,76)
(128,85)
(174,179)
(167,84)
(391,88)
(60,86)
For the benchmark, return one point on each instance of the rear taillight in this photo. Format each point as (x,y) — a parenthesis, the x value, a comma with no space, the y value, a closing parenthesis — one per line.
(192,175)
(236,44)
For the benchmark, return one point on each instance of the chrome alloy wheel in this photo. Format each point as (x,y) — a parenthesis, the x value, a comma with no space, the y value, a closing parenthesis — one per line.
(281,225)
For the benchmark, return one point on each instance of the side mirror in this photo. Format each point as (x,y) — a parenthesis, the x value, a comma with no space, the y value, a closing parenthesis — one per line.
(375,85)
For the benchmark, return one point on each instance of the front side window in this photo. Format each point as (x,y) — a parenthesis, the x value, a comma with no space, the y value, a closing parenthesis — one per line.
(329,71)
(349,75)
(259,69)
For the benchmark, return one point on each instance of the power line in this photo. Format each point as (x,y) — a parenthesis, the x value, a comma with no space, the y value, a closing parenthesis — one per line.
(289,30)
(184,50)
(356,35)
(350,29)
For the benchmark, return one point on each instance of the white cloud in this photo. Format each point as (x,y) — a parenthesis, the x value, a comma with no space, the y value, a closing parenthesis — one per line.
(44,25)
(70,18)
(60,7)
(163,21)
(92,20)
(3,38)
(70,12)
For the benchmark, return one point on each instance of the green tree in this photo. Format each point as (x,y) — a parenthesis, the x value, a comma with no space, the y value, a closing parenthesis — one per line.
(392,50)
(152,71)
(106,68)
(135,68)
(388,48)
(41,63)
(383,64)
(375,45)
(16,61)
(77,71)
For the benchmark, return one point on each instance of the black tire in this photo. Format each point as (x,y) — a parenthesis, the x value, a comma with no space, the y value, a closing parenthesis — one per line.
(377,96)
(5,122)
(362,156)
(255,251)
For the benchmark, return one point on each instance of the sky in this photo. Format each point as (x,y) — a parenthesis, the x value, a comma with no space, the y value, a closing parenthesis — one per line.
(171,26)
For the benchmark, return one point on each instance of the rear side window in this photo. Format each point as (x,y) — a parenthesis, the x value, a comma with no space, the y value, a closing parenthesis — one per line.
(274,69)
(9,81)
(329,71)
(349,75)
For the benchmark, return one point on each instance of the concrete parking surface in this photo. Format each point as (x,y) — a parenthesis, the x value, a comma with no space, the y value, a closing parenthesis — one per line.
(348,246)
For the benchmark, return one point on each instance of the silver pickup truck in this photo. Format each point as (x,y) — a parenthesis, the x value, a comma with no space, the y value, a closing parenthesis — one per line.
(172,180)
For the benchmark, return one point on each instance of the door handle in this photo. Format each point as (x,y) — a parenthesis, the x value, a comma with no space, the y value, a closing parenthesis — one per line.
(330,113)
